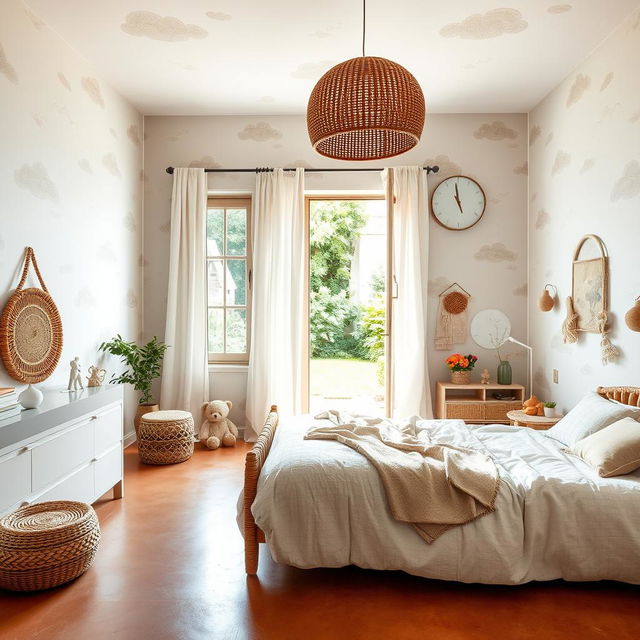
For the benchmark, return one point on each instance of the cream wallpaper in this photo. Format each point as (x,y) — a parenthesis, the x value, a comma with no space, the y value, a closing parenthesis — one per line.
(70,187)
(585,178)
(489,260)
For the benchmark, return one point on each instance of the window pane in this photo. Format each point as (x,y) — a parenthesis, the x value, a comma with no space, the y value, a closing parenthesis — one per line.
(216,283)
(216,331)
(236,282)
(236,330)
(215,232)
(236,232)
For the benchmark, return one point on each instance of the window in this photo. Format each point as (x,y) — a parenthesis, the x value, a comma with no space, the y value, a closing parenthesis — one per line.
(228,278)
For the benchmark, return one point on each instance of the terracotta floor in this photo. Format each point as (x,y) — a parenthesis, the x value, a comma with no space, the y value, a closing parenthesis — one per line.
(171,566)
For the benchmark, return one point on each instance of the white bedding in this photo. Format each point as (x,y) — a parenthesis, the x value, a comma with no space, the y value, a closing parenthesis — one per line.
(322,504)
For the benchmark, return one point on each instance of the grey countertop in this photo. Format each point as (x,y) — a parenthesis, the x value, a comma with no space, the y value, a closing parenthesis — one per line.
(58,406)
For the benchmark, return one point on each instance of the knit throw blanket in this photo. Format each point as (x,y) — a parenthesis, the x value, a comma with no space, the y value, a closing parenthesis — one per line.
(431,486)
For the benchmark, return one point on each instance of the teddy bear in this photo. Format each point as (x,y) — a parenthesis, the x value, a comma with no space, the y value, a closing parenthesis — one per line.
(216,428)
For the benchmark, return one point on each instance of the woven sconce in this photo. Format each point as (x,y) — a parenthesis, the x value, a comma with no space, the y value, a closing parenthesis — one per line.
(546,301)
(632,317)
(366,108)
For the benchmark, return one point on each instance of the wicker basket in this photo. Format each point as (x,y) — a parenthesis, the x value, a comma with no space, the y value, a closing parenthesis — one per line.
(165,437)
(461,377)
(47,544)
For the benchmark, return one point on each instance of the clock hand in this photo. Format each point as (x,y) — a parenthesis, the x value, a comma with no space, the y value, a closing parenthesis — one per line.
(457,197)
(458,203)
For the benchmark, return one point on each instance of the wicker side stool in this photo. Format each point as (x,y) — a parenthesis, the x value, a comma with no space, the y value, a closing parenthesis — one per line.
(165,437)
(47,544)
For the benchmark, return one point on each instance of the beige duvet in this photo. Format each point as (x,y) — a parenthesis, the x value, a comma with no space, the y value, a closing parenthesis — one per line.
(323,504)
(429,485)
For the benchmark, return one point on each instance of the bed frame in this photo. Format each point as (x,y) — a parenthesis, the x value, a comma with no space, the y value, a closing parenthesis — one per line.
(255,460)
(624,395)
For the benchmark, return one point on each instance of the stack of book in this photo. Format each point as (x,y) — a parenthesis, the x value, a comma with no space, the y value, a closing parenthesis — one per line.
(9,405)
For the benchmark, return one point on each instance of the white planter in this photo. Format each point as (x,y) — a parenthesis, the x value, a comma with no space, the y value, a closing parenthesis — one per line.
(550,412)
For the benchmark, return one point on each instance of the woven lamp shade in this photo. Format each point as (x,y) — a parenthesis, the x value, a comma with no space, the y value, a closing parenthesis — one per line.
(366,108)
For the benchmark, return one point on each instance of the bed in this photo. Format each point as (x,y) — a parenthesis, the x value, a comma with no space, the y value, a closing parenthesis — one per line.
(321,504)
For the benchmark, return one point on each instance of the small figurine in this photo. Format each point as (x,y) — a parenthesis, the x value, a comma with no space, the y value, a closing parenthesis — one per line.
(485,377)
(75,379)
(96,376)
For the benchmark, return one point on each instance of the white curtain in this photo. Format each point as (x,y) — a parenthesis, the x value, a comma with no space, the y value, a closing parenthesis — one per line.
(278,331)
(411,390)
(184,375)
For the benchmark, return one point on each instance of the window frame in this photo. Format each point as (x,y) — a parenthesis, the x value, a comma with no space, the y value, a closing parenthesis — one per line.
(242,201)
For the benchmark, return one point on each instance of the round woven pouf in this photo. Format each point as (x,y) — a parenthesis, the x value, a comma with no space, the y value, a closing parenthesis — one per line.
(47,544)
(165,437)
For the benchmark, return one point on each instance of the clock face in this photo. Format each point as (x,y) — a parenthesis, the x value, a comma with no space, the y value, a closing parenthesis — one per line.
(458,203)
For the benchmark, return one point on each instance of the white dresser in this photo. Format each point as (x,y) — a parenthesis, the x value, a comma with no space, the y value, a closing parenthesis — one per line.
(70,448)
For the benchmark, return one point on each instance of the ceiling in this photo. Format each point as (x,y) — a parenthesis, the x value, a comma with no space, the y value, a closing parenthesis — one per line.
(214,57)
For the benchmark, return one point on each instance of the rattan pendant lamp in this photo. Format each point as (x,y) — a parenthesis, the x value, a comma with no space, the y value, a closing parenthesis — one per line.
(366,108)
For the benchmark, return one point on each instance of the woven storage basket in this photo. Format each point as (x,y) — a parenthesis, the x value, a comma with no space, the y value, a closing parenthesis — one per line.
(165,437)
(47,544)
(461,377)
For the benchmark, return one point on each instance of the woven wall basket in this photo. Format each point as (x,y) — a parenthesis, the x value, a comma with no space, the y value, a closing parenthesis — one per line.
(30,330)
(455,302)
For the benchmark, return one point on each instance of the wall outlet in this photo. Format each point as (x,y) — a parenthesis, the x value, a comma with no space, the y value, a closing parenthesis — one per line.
(555,376)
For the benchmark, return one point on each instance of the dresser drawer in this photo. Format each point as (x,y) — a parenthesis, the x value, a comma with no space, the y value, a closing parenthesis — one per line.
(15,478)
(77,487)
(464,411)
(107,470)
(60,455)
(108,429)
(498,410)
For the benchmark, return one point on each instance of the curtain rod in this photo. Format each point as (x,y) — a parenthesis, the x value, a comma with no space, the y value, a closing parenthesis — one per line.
(170,170)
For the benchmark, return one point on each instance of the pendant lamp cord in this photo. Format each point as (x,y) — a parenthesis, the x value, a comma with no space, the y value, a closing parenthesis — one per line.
(364,23)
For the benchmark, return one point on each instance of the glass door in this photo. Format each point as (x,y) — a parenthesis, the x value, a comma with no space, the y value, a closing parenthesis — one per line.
(348,243)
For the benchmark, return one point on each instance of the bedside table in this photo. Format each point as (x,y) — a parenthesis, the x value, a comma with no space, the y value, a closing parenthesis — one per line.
(521,419)
(475,404)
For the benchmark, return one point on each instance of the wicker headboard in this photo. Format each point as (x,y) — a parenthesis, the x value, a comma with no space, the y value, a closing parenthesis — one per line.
(625,395)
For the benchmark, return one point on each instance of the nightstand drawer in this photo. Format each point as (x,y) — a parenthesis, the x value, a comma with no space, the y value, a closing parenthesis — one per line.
(464,411)
(498,410)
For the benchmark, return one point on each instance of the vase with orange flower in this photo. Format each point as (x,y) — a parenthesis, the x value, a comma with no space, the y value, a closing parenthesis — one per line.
(461,367)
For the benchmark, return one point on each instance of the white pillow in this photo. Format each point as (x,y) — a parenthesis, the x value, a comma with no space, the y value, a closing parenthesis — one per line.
(591,414)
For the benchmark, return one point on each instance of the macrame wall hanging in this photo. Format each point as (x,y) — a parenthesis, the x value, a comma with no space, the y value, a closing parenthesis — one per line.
(451,323)
(587,307)
(30,330)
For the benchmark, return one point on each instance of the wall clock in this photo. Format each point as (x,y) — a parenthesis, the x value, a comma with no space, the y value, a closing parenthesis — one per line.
(458,203)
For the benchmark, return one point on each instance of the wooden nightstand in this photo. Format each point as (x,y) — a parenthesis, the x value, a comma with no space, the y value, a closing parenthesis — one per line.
(521,419)
(475,403)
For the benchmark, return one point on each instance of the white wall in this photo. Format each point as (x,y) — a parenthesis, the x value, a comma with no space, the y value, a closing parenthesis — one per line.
(70,187)
(585,178)
(489,147)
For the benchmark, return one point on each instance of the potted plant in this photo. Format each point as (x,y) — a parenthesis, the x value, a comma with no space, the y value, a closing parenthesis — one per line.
(550,409)
(461,367)
(143,367)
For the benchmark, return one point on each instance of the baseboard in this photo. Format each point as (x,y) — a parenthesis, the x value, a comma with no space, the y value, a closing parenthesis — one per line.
(130,437)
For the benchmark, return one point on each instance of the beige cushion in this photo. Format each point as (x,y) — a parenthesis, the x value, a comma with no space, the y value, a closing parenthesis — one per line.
(612,451)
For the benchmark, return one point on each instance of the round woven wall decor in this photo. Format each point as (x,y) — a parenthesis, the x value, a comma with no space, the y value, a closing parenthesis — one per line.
(30,330)
(455,302)
(365,108)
